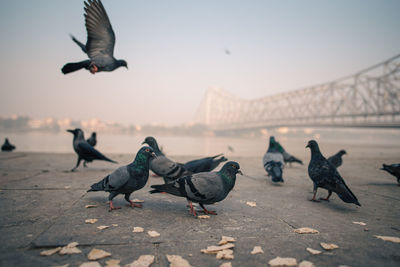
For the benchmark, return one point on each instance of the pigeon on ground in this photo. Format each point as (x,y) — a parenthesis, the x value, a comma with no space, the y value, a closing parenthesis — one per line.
(336,159)
(325,175)
(205,164)
(92,140)
(127,179)
(7,146)
(393,169)
(288,158)
(100,42)
(273,161)
(85,151)
(163,166)
(204,188)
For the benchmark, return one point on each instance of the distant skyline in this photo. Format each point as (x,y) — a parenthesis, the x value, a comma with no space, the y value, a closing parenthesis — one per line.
(177,49)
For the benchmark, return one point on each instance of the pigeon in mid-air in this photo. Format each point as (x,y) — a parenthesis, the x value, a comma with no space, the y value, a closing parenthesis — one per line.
(204,188)
(205,164)
(7,146)
(336,159)
(127,179)
(288,158)
(273,161)
(163,166)
(393,169)
(100,42)
(325,175)
(92,140)
(85,151)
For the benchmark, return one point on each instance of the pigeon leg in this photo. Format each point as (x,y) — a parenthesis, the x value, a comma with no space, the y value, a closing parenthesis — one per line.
(315,193)
(93,69)
(327,198)
(131,203)
(192,211)
(77,164)
(207,211)
(110,198)
(84,164)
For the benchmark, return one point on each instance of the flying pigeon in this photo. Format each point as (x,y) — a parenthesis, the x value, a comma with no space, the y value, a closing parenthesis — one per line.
(273,161)
(85,151)
(100,42)
(325,175)
(163,166)
(92,140)
(393,169)
(127,179)
(336,159)
(7,146)
(205,164)
(288,158)
(204,188)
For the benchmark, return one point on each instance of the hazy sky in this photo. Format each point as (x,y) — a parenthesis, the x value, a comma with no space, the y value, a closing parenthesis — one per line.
(175,51)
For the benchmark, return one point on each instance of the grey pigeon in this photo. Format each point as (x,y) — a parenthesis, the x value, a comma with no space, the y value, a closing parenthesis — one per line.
(205,164)
(7,146)
(325,175)
(273,161)
(393,169)
(204,188)
(336,159)
(85,151)
(288,158)
(163,166)
(100,42)
(127,179)
(92,140)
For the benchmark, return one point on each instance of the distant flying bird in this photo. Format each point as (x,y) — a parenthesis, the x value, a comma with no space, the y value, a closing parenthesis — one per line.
(100,42)
(92,140)
(231,149)
(7,146)
(288,158)
(227,52)
(325,175)
(204,188)
(273,161)
(85,151)
(127,179)
(336,159)
(163,166)
(205,164)
(393,169)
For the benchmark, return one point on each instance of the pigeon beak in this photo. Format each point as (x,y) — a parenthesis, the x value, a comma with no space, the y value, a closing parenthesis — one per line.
(240,172)
(144,142)
(153,155)
(307,145)
(71,131)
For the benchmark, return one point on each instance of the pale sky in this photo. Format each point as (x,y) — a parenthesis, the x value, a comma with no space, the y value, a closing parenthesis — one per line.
(176,50)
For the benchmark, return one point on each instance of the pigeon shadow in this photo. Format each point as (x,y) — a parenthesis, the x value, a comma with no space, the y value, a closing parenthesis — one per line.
(339,207)
(384,184)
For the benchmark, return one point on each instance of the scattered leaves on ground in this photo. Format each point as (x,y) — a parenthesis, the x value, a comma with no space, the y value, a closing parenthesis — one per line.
(203,217)
(360,223)
(306,264)
(226,254)
(113,263)
(226,264)
(278,261)
(91,221)
(90,264)
(65,265)
(70,249)
(102,227)
(226,239)
(314,251)
(251,203)
(328,246)
(114,224)
(153,233)
(96,254)
(306,230)
(393,239)
(177,261)
(67,187)
(50,251)
(90,206)
(138,229)
(257,250)
(215,249)
(142,261)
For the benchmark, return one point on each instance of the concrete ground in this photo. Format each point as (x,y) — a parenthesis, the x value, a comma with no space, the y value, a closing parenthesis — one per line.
(43,207)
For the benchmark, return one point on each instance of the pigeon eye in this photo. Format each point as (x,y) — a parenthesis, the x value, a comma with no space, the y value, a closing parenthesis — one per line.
(147,150)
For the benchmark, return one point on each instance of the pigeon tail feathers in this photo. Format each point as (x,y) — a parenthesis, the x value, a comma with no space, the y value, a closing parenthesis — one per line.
(71,67)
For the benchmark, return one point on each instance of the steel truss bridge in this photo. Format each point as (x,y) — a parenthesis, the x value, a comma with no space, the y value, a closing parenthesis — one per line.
(369,98)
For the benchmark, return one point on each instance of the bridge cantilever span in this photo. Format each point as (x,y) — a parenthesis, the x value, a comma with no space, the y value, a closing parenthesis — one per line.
(369,98)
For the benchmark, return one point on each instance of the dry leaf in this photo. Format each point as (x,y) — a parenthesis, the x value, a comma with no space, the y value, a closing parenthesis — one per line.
(226,264)
(257,250)
(177,261)
(67,187)
(226,239)
(143,261)
(389,238)
(203,217)
(278,261)
(226,254)
(90,206)
(138,230)
(70,249)
(65,265)
(113,263)
(114,224)
(251,203)
(90,264)
(306,264)
(313,251)
(360,223)
(215,249)
(50,251)
(137,200)
(102,227)
(306,230)
(327,246)
(96,254)
(153,233)
(91,221)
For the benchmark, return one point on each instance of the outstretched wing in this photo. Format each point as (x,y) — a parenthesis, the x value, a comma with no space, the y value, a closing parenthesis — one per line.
(101,37)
